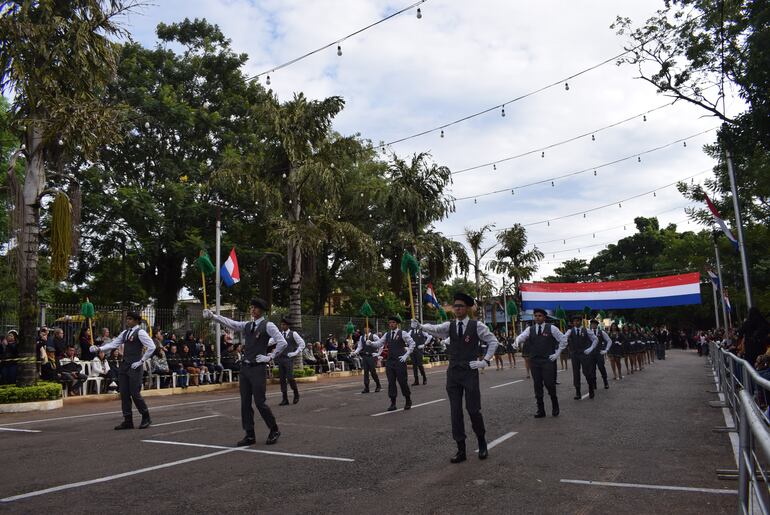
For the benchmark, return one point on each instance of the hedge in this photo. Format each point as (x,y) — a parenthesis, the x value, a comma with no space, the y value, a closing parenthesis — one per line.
(42,391)
(298,372)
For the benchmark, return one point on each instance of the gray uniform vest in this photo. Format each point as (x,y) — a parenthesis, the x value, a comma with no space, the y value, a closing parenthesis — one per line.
(541,346)
(578,342)
(291,346)
(132,346)
(396,346)
(419,339)
(465,349)
(602,345)
(366,348)
(256,340)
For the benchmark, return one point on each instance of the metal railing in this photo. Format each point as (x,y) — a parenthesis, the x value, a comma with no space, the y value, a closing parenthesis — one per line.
(746,396)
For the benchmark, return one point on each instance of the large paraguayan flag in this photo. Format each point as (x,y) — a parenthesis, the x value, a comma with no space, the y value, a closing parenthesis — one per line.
(430,296)
(671,290)
(714,279)
(229,271)
(721,223)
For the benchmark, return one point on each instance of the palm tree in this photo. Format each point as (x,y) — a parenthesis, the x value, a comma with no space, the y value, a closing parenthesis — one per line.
(475,239)
(513,260)
(56,58)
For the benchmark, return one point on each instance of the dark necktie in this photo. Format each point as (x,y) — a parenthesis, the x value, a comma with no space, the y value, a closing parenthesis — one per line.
(460,330)
(539,330)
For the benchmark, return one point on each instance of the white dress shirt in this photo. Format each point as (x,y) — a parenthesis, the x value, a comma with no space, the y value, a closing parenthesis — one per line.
(380,342)
(271,328)
(139,333)
(483,332)
(533,329)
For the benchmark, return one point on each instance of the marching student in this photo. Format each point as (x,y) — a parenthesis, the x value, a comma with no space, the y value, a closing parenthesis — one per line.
(400,345)
(581,343)
(605,343)
(368,355)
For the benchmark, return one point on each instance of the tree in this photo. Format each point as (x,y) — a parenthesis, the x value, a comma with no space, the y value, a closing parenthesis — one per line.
(475,239)
(570,271)
(513,259)
(57,58)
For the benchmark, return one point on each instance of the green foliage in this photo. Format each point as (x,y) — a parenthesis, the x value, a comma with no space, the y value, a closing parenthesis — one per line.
(42,391)
(571,271)
(513,259)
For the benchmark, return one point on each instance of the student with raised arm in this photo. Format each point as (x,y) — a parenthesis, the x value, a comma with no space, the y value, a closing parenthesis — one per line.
(400,346)
(462,375)
(253,372)
(544,342)
(134,339)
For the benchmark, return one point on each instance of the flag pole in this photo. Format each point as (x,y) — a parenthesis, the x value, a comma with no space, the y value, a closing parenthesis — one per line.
(739,227)
(505,309)
(203,282)
(721,284)
(419,288)
(218,282)
(411,294)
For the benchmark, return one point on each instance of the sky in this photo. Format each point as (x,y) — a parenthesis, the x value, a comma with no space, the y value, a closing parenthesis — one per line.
(407,75)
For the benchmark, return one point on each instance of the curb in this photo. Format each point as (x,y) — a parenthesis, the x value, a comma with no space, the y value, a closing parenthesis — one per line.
(23,407)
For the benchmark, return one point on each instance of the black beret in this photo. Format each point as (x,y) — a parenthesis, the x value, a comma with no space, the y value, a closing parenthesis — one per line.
(133,315)
(465,298)
(285,320)
(539,310)
(259,303)
(395,318)
(594,321)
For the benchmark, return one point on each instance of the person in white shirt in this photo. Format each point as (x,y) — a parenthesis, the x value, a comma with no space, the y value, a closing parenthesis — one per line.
(400,346)
(137,349)
(544,343)
(100,367)
(605,343)
(462,376)
(581,343)
(285,360)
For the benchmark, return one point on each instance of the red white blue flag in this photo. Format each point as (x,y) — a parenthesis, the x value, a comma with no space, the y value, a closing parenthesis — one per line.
(229,271)
(671,290)
(721,223)
(430,296)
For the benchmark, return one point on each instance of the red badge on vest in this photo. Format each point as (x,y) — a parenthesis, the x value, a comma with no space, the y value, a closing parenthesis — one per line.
(467,339)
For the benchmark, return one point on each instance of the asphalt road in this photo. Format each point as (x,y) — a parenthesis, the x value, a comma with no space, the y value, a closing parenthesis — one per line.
(339,453)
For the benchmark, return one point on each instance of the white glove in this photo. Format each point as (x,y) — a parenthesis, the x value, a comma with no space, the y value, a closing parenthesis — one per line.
(587,352)
(554,356)
(292,354)
(207,313)
(137,364)
(478,364)
(262,359)
(354,353)
(603,352)
(415,324)
(421,346)
(403,358)
(93,349)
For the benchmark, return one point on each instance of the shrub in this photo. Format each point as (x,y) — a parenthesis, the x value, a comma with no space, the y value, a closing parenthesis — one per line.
(42,391)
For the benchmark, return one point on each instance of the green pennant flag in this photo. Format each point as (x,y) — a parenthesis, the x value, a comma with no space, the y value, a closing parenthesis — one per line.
(349,328)
(87,309)
(587,312)
(512,309)
(204,264)
(560,313)
(366,309)
(442,315)
(409,264)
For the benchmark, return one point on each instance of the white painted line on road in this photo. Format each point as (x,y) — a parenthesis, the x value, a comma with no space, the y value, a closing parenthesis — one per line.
(652,487)
(584,396)
(562,370)
(500,440)
(506,384)
(402,409)
(256,451)
(113,477)
(20,430)
(185,420)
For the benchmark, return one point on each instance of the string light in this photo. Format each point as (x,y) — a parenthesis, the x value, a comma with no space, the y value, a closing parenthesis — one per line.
(513,192)
(654,194)
(594,173)
(339,50)
(268,80)
(638,159)
(494,167)
(336,42)
(584,215)
(620,205)
(578,172)
(553,185)
(442,133)
(475,201)
(502,113)
(644,118)
(593,137)
(566,86)
(569,140)
(684,144)
(419,13)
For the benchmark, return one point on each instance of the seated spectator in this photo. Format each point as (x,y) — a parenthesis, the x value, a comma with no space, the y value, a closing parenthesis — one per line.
(210,358)
(343,355)
(104,338)
(231,358)
(84,339)
(59,343)
(331,343)
(49,366)
(159,366)
(100,367)
(41,342)
(188,364)
(71,371)
(307,355)
(199,360)
(322,364)
(176,366)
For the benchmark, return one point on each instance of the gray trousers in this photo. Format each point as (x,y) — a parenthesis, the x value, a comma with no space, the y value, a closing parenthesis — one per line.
(253,383)
(130,385)
(286,375)
(369,369)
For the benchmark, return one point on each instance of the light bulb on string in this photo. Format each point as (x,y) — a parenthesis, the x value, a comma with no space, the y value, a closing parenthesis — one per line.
(620,205)
(548,222)
(565,242)
(283,175)
(594,235)
(566,86)
(268,80)
(638,159)
(494,166)
(552,185)
(624,227)
(339,50)
(684,144)
(594,173)
(419,13)
(654,194)
(584,215)
(542,154)
(147,126)
(593,137)
(644,118)
(475,201)
(442,133)
(502,113)
(513,192)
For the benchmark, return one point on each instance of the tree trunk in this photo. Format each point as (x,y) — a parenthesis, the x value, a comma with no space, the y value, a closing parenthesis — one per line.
(396,275)
(294,257)
(28,249)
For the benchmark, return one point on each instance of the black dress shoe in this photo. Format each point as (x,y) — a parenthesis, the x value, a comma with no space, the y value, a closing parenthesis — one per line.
(392,407)
(377,389)
(146,422)
(126,424)
(247,440)
(555,411)
(408,404)
(284,402)
(459,457)
(295,400)
(273,437)
(606,386)
(365,390)
(540,414)
(424,381)
(591,394)
(483,452)
(416,383)
(577,396)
